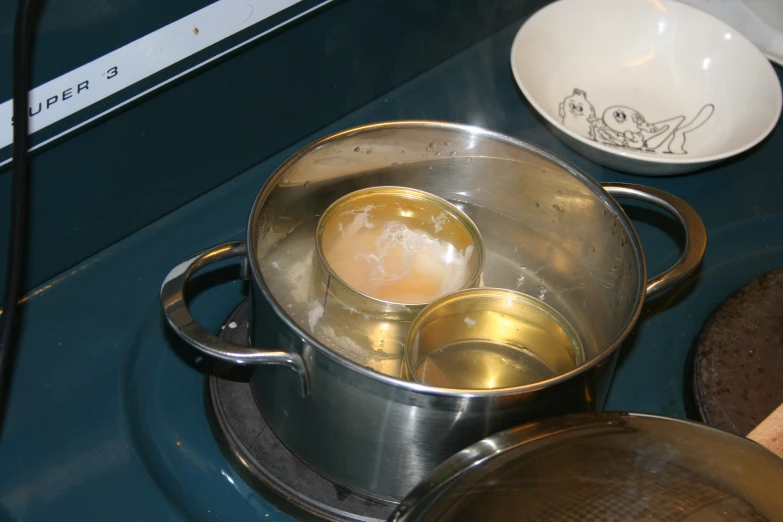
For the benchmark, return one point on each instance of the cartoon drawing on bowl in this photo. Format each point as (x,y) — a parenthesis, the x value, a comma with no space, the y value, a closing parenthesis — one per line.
(578,114)
(625,127)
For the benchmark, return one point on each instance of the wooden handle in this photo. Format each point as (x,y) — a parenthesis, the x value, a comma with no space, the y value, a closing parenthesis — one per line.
(770,432)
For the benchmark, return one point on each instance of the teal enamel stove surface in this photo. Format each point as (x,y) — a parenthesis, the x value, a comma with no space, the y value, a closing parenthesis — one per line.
(108,415)
(121,173)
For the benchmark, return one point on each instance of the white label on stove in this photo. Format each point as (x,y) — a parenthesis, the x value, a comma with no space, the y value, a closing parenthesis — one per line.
(148,55)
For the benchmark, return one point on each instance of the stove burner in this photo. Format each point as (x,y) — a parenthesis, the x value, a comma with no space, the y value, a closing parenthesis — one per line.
(259,456)
(738,361)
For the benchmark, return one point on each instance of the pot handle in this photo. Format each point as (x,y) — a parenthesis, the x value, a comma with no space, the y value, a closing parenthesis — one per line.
(185,325)
(695,233)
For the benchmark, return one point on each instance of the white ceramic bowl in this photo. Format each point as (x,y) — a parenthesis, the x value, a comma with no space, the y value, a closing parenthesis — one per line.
(652,87)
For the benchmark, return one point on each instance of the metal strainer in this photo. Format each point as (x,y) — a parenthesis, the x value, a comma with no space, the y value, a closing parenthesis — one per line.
(608,467)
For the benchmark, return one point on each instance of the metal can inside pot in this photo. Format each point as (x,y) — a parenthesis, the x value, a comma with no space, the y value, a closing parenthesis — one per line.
(382,255)
(400,246)
(489,338)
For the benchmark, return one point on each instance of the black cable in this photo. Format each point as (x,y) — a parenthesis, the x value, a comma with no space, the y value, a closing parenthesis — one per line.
(19,181)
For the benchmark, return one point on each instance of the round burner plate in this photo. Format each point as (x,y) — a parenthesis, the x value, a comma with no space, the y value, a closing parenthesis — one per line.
(738,359)
(259,456)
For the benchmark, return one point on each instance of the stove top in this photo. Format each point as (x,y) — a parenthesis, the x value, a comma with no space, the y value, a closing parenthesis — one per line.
(109,419)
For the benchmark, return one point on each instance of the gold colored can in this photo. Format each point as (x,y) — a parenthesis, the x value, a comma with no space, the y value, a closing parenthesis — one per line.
(382,255)
(488,338)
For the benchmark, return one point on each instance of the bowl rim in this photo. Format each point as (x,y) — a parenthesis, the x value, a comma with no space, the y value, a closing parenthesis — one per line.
(630,155)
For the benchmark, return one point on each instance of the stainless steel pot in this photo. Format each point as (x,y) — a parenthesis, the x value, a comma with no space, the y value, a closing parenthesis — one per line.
(549,231)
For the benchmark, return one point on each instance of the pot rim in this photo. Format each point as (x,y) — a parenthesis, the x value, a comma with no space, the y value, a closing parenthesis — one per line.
(410,386)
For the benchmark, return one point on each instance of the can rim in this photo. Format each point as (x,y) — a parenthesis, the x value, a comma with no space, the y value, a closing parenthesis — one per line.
(408,193)
(491,293)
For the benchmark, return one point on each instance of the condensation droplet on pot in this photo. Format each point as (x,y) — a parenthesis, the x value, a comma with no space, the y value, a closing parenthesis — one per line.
(429,167)
(470,159)
(593,249)
(541,292)
(453,153)
(306,183)
(580,238)
(437,153)
(357,149)
(584,304)
(431,145)
(520,280)
(559,191)
(622,242)
(557,209)
(535,204)
(604,212)
(368,152)
(447,143)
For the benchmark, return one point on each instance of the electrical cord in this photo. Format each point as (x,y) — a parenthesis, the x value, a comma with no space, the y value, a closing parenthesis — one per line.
(19,187)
